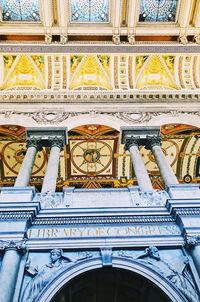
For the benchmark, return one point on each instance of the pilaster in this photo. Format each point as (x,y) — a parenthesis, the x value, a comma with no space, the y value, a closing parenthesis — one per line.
(62,19)
(116,21)
(132,20)
(47,19)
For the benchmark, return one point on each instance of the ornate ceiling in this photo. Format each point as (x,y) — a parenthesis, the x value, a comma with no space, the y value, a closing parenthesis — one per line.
(100,20)
(93,157)
(110,73)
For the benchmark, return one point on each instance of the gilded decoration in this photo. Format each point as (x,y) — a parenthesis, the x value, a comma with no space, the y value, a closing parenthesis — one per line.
(90,71)
(94,72)
(93,157)
(155,72)
(23,71)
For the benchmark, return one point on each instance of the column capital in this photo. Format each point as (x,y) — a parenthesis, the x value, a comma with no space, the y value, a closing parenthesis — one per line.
(19,246)
(191,241)
(56,142)
(152,141)
(132,141)
(34,142)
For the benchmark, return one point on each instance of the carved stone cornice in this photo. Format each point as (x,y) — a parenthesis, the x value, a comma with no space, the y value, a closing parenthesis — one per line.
(187,211)
(8,215)
(19,246)
(102,220)
(152,141)
(15,96)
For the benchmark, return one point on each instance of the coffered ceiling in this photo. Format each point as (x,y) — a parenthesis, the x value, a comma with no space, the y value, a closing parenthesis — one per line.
(101,20)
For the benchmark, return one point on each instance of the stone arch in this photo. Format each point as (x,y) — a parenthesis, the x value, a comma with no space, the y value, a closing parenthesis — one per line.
(125,264)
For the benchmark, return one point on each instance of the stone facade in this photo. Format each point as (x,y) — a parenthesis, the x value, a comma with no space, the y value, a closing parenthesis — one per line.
(49,237)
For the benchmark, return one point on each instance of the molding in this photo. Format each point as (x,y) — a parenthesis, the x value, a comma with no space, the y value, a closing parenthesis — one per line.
(22,215)
(102,220)
(101,48)
(187,211)
(37,96)
(56,117)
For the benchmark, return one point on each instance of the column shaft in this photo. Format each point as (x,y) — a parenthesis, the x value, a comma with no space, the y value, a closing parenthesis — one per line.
(26,168)
(142,176)
(164,167)
(8,274)
(49,183)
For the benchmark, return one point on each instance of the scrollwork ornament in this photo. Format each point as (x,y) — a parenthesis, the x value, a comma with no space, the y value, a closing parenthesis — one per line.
(152,141)
(19,246)
(192,241)
(133,141)
(34,142)
(56,142)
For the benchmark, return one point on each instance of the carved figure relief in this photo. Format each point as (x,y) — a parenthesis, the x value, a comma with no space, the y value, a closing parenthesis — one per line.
(182,278)
(44,275)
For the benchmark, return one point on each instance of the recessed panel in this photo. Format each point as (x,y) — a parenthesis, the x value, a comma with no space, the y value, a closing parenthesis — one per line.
(90,11)
(158,10)
(20,10)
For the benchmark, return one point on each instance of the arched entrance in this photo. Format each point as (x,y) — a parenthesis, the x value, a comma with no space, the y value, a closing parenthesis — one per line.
(110,285)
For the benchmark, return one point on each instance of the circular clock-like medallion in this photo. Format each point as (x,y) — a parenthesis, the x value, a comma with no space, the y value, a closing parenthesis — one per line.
(92,157)
(13,155)
(19,155)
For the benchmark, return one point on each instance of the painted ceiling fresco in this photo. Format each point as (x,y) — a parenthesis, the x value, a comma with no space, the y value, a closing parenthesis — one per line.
(93,157)
(107,72)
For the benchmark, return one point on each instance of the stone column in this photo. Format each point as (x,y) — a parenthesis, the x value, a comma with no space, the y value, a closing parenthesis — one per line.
(154,143)
(193,245)
(50,178)
(10,267)
(27,165)
(142,176)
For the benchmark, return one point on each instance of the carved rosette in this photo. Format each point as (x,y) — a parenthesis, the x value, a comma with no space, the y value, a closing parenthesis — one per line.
(133,141)
(19,246)
(152,141)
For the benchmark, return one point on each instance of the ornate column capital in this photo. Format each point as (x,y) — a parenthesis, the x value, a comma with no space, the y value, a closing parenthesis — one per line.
(56,142)
(34,142)
(19,246)
(152,141)
(132,141)
(192,241)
